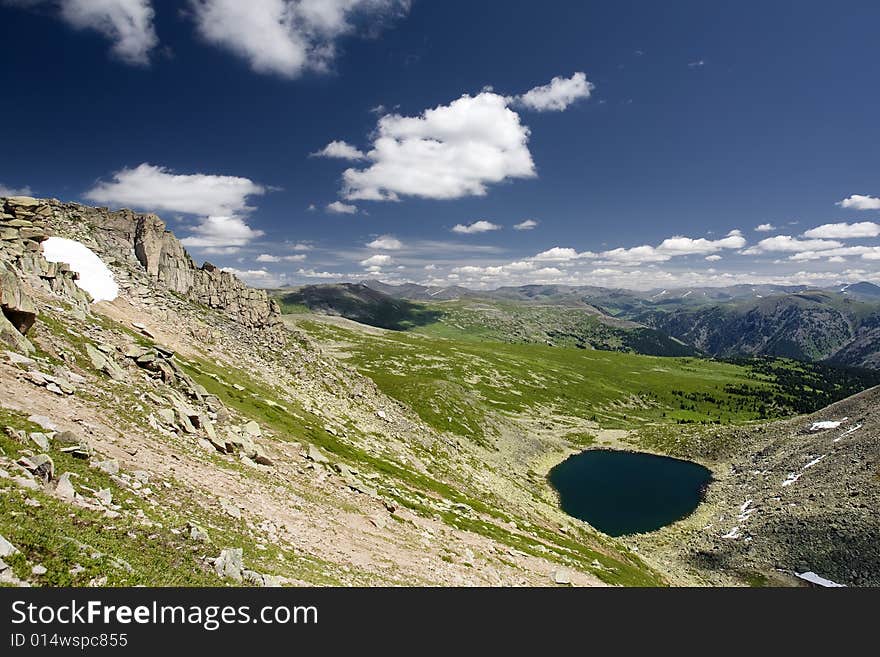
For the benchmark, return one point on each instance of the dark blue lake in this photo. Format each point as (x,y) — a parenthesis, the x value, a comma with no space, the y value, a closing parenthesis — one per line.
(628,492)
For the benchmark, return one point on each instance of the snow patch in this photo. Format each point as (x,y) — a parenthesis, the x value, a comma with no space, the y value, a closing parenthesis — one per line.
(848,432)
(813,578)
(827,424)
(94,276)
(813,462)
(792,477)
(733,533)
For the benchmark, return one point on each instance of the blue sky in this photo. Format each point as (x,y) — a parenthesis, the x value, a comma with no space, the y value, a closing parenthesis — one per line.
(656,137)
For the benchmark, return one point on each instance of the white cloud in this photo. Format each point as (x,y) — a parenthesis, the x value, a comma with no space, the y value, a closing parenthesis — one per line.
(15,191)
(300,246)
(94,276)
(714,258)
(221,234)
(221,201)
(311,273)
(340,150)
(559,254)
(860,202)
(149,187)
(557,95)
(127,23)
(845,231)
(377,261)
(697,64)
(287,37)
(448,152)
(258,277)
(866,252)
(528,224)
(787,243)
(385,243)
(338,207)
(764,228)
(480,226)
(265,257)
(674,246)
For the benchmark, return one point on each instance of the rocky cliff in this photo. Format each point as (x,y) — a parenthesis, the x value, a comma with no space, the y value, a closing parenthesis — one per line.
(138,247)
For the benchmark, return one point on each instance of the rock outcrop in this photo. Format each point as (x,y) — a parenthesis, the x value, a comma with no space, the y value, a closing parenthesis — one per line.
(166,260)
(22,266)
(124,240)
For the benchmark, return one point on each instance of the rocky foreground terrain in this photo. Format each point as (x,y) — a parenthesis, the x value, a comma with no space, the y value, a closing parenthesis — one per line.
(181,435)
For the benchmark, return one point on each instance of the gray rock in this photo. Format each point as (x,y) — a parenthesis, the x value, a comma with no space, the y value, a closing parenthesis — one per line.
(316,455)
(197,533)
(230,564)
(7,549)
(41,466)
(64,489)
(110,466)
(252,429)
(40,440)
(562,576)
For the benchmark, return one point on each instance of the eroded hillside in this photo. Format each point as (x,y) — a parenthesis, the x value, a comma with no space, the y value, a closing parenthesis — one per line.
(180,435)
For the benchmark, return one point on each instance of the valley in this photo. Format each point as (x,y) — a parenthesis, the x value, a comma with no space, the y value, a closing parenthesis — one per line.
(189,432)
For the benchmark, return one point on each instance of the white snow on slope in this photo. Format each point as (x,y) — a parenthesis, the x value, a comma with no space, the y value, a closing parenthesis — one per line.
(827,424)
(94,276)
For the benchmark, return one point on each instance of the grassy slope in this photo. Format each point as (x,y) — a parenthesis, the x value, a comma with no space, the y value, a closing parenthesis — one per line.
(455,384)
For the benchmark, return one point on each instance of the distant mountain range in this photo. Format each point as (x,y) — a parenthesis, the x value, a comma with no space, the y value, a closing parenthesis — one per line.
(840,325)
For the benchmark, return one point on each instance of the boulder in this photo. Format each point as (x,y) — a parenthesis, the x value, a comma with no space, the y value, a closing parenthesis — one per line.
(316,455)
(230,564)
(7,549)
(41,466)
(64,489)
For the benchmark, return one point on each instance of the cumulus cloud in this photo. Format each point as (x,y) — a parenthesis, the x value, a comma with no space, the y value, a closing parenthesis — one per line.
(844,231)
(377,261)
(455,150)
(385,243)
(266,257)
(128,24)
(218,234)
(865,252)
(787,243)
(528,224)
(557,95)
(341,150)
(480,226)
(149,187)
(288,37)
(338,207)
(312,273)
(15,191)
(559,254)
(860,202)
(764,228)
(674,246)
(448,152)
(258,277)
(221,201)
(714,258)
